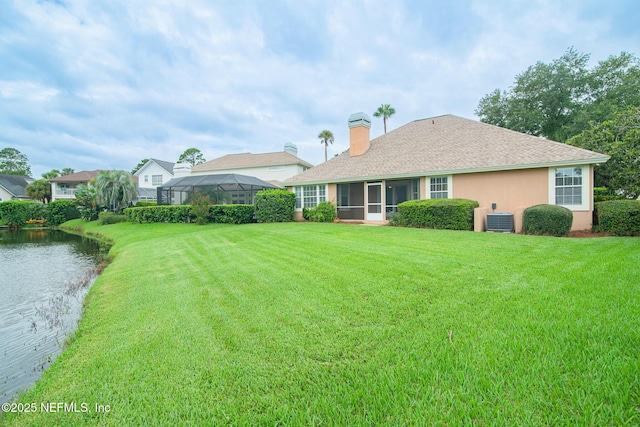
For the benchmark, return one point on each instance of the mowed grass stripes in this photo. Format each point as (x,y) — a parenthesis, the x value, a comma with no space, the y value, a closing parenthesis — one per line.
(331,324)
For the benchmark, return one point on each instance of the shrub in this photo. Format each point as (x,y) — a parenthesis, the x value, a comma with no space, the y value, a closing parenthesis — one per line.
(60,211)
(87,202)
(448,214)
(618,217)
(200,208)
(602,194)
(323,212)
(275,205)
(15,213)
(225,214)
(144,203)
(111,218)
(548,220)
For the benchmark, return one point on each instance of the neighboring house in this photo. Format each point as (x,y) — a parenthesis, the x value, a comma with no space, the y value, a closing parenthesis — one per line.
(450,157)
(151,175)
(64,187)
(13,187)
(271,167)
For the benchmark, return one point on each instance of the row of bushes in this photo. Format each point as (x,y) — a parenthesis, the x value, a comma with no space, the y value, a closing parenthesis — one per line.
(447,214)
(17,213)
(225,214)
(618,217)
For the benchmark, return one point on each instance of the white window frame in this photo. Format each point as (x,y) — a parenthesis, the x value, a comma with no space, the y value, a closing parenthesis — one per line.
(449,185)
(308,200)
(154,180)
(586,183)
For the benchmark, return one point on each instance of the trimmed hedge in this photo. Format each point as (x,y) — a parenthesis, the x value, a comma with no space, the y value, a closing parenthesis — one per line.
(548,220)
(226,214)
(618,217)
(448,214)
(110,218)
(275,205)
(60,211)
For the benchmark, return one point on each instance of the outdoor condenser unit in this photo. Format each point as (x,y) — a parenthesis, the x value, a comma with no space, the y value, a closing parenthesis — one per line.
(501,222)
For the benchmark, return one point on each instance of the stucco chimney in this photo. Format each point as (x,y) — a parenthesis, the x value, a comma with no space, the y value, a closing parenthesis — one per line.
(181,169)
(359,134)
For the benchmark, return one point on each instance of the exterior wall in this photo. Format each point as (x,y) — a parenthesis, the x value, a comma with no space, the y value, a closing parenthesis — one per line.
(261,172)
(5,195)
(150,169)
(514,191)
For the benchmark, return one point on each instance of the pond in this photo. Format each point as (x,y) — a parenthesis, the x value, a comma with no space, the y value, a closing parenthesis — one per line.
(44,276)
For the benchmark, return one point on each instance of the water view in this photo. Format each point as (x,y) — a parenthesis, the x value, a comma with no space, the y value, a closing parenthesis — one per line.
(44,276)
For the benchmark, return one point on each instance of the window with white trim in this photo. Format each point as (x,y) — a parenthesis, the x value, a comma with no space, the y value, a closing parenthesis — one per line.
(569,186)
(439,187)
(309,196)
(156,179)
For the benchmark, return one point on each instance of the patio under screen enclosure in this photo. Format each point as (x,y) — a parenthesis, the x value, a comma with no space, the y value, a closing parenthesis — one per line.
(229,188)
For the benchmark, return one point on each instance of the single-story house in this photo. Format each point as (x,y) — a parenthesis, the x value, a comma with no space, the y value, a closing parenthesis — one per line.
(271,167)
(450,157)
(64,187)
(13,187)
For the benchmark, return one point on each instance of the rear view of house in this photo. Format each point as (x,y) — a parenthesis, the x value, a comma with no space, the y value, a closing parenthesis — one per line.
(450,157)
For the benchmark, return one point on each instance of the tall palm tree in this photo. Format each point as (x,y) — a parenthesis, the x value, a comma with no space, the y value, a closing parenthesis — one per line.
(115,189)
(40,189)
(326,138)
(385,111)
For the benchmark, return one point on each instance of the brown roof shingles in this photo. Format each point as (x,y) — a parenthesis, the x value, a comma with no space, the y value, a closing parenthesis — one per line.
(82,176)
(446,144)
(249,160)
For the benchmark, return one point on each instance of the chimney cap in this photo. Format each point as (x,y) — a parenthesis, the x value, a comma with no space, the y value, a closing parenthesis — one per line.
(359,119)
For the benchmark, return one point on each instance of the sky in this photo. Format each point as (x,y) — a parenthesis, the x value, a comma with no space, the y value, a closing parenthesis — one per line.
(103,84)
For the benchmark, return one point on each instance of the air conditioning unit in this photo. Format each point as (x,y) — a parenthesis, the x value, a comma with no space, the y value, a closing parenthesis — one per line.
(501,222)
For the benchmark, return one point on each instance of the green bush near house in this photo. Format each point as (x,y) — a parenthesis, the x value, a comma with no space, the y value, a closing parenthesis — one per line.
(618,217)
(110,218)
(144,203)
(15,213)
(323,212)
(275,205)
(447,214)
(602,194)
(548,220)
(231,214)
(60,211)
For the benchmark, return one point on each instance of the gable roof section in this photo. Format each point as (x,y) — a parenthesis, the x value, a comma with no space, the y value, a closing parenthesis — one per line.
(168,166)
(14,184)
(446,145)
(82,176)
(249,160)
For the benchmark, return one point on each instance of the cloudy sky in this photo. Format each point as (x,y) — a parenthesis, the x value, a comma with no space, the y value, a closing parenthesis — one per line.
(102,84)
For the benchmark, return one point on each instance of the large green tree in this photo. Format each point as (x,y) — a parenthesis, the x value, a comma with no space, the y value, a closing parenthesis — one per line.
(39,189)
(326,138)
(385,111)
(115,189)
(620,139)
(13,162)
(53,173)
(193,156)
(560,99)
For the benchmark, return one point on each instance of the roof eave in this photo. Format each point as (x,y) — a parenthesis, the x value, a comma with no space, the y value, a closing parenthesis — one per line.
(576,162)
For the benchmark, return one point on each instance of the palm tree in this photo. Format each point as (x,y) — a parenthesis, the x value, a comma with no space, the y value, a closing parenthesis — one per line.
(40,189)
(326,138)
(115,189)
(385,111)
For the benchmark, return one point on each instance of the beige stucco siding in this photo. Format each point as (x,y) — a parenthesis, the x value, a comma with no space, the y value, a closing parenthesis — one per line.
(514,191)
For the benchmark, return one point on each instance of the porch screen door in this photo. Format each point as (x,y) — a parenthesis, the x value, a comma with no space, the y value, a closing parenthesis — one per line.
(374,201)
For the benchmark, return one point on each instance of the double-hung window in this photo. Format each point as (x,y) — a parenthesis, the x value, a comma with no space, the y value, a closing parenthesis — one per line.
(569,187)
(309,196)
(156,179)
(439,187)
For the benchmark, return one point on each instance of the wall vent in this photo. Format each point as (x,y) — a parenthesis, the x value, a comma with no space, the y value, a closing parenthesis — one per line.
(501,222)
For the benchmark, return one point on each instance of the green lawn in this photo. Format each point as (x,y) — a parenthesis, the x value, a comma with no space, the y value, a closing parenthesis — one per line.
(331,324)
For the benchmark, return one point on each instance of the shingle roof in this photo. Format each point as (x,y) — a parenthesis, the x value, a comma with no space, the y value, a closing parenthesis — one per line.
(15,184)
(82,176)
(249,160)
(446,145)
(168,166)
